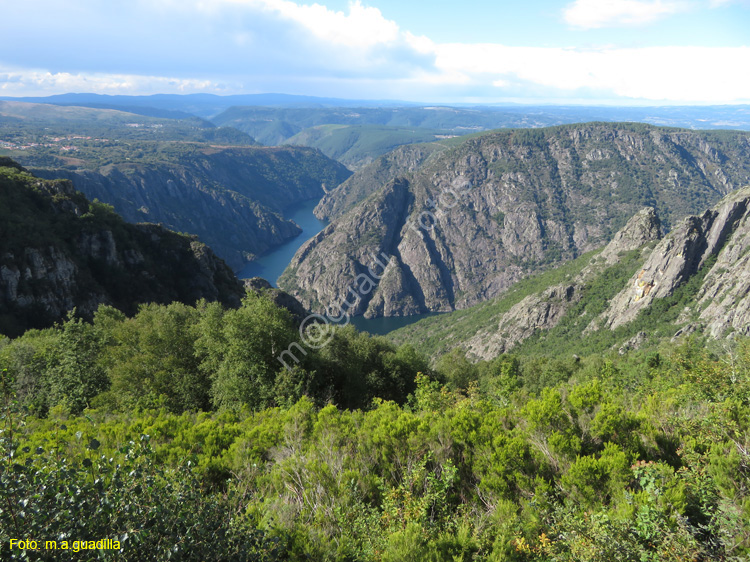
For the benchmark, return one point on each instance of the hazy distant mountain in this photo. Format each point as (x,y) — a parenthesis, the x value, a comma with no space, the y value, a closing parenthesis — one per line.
(464,224)
(202,105)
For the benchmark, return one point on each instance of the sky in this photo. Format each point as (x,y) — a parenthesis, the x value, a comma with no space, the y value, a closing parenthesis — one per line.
(624,52)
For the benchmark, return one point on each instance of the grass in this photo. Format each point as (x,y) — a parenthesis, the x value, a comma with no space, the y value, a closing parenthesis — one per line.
(439,334)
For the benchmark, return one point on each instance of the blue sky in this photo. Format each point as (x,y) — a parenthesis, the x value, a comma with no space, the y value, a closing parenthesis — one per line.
(537,51)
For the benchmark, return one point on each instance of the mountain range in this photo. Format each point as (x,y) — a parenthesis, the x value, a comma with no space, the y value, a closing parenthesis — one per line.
(463,221)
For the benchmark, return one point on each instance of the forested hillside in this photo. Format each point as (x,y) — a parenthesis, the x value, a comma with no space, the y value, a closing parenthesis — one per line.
(356,146)
(59,252)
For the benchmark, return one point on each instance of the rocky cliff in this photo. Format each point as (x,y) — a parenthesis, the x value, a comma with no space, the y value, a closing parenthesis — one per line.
(372,177)
(713,245)
(634,292)
(544,310)
(58,251)
(231,197)
(464,225)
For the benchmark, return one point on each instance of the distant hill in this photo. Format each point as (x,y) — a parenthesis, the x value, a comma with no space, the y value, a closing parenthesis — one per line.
(262,123)
(59,251)
(340,128)
(35,121)
(356,135)
(464,223)
(188,175)
(202,105)
(357,145)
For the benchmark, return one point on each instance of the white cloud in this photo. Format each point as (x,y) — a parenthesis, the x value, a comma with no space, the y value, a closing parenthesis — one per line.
(361,27)
(589,14)
(24,82)
(682,74)
(235,46)
(489,71)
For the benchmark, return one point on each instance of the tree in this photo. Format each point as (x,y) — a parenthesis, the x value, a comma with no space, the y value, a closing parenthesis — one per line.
(151,357)
(74,376)
(239,350)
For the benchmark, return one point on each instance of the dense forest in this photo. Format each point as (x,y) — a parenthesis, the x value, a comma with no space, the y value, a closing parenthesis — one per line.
(178,433)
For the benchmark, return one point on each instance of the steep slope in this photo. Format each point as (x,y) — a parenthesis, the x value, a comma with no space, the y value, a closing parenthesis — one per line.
(186,174)
(230,197)
(58,251)
(632,293)
(541,302)
(372,177)
(474,219)
(544,310)
(714,244)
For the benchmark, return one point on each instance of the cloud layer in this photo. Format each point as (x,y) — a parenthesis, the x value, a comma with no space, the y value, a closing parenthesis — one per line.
(233,46)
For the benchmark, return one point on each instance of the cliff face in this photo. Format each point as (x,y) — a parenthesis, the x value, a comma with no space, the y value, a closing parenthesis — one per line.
(719,239)
(59,252)
(633,292)
(329,281)
(544,310)
(230,197)
(372,177)
(466,224)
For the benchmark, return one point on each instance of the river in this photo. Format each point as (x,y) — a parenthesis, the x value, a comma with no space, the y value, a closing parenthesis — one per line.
(270,266)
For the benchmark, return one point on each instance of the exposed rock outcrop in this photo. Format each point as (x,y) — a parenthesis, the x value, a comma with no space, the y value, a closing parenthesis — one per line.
(722,303)
(544,310)
(696,280)
(643,228)
(371,238)
(372,177)
(232,198)
(59,252)
(474,219)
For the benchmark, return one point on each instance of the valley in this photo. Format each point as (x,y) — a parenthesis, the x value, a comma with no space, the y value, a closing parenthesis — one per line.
(375,281)
(186,174)
(557,321)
